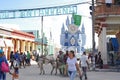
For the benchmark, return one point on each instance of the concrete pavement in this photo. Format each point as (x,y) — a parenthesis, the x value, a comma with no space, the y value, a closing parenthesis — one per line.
(32,73)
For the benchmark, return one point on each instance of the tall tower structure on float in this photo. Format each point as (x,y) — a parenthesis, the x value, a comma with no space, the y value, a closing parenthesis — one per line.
(72,37)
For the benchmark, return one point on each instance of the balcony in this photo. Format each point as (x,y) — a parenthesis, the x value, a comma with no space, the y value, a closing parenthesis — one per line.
(102,10)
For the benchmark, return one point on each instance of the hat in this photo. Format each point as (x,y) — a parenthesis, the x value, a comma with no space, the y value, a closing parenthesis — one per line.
(1,51)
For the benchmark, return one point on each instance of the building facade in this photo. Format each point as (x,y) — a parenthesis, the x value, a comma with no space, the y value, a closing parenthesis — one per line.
(41,43)
(16,40)
(107,23)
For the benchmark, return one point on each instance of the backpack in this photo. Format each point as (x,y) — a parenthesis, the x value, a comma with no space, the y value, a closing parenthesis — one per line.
(16,64)
(4,67)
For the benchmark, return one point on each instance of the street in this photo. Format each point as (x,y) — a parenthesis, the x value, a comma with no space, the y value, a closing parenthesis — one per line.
(32,73)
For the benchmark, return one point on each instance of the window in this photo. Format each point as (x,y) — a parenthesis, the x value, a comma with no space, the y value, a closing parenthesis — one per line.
(117,2)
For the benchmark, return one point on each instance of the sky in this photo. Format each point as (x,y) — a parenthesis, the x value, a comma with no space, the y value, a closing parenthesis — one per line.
(49,22)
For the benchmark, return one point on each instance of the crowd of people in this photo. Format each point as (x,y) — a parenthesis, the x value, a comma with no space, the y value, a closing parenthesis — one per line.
(81,65)
(17,60)
(96,60)
(70,64)
(22,58)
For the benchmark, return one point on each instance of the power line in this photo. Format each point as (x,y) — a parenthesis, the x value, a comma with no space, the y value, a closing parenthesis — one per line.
(88,2)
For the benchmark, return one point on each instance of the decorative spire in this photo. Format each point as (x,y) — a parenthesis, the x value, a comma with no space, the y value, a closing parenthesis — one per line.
(67,21)
(83,28)
(63,28)
(50,34)
(72,20)
(83,35)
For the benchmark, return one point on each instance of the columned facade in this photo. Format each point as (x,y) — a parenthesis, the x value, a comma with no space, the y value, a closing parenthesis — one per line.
(17,45)
(33,45)
(22,46)
(15,40)
(103,45)
(107,23)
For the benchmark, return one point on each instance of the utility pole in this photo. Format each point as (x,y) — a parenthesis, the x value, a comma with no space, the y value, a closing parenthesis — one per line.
(93,35)
(42,35)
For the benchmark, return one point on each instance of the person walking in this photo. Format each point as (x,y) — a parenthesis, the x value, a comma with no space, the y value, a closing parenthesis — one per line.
(11,59)
(60,59)
(84,64)
(72,65)
(2,58)
(28,58)
(22,60)
(65,60)
(15,73)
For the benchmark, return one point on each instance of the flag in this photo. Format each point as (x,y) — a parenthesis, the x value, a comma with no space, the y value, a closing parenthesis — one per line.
(77,19)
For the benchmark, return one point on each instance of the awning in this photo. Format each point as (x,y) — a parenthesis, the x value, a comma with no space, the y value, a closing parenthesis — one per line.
(2,44)
(8,43)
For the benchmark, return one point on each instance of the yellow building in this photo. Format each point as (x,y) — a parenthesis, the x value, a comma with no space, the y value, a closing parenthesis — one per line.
(16,40)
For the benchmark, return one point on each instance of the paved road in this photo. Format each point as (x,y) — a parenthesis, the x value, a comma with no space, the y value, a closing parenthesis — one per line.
(32,73)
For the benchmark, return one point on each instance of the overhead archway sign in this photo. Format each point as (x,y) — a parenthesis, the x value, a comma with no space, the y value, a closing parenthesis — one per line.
(38,12)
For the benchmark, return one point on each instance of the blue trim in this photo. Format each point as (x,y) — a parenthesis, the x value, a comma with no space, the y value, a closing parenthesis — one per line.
(115,44)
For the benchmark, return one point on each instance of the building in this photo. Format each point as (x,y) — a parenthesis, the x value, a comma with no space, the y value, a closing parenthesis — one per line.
(41,42)
(107,23)
(51,47)
(37,36)
(16,40)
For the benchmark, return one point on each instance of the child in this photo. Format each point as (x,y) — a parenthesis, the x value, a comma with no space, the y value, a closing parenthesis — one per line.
(15,74)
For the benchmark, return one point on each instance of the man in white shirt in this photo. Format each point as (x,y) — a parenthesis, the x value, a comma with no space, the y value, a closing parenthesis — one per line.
(84,64)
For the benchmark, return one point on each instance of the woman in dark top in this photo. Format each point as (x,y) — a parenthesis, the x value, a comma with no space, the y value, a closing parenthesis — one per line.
(11,59)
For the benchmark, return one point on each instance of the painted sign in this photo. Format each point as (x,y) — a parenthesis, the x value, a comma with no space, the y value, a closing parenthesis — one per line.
(38,12)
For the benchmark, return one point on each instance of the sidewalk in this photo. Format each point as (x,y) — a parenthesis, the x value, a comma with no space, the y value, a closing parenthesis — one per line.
(111,69)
